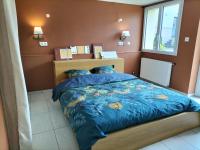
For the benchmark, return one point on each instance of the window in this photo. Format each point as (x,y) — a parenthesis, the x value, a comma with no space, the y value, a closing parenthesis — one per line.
(162,27)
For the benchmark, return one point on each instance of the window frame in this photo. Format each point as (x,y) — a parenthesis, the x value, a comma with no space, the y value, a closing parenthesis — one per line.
(159,28)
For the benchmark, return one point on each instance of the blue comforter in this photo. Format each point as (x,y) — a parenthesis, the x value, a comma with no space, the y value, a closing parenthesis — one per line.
(96,105)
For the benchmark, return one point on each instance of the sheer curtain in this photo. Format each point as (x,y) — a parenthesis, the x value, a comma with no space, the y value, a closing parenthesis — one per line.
(11,67)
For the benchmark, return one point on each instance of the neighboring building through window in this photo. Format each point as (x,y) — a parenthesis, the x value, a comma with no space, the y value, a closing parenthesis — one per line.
(162,27)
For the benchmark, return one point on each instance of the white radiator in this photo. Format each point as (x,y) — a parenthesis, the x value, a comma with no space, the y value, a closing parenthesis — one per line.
(156,71)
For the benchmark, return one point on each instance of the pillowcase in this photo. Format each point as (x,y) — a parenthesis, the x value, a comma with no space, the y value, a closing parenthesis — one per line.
(76,73)
(103,69)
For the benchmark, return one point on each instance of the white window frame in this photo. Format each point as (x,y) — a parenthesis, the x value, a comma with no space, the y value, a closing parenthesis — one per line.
(160,19)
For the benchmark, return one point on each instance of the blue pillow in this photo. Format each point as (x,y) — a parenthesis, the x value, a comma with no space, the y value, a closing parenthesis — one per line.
(104,69)
(76,73)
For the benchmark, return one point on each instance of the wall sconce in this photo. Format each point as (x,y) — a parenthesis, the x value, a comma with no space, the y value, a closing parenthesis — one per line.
(38,33)
(124,35)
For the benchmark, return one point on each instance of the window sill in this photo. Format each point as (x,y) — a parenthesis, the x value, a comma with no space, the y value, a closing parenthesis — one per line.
(160,52)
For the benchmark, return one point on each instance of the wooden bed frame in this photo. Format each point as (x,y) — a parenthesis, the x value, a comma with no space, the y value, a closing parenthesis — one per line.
(85,64)
(137,136)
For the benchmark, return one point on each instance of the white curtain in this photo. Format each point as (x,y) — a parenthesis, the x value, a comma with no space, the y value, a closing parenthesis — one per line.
(24,126)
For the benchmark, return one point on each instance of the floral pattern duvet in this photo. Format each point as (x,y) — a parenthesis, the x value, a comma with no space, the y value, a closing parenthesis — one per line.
(98,104)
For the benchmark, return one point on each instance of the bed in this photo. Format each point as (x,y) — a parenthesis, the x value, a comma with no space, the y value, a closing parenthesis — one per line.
(120,111)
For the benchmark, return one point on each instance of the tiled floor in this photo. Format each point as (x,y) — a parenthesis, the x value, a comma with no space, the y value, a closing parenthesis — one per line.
(52,132)
(50,129)
(197,99)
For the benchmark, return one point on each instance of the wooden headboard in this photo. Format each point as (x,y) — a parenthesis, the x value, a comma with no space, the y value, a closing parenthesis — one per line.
(84,64)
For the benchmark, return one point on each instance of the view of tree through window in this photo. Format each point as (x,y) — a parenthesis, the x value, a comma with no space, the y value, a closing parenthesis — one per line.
(151,28)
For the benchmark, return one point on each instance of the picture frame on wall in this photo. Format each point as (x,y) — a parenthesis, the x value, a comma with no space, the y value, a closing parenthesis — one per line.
(63,54)
(74,49)
(87,49)
(97,49)
(109,55)
(80,49)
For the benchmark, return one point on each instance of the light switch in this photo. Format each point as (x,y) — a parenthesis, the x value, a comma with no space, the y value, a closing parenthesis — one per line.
(120,43)
(187,39)
(43,44)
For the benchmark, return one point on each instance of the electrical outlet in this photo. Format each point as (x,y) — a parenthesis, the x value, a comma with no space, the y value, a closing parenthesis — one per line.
(43,44)
(187,39)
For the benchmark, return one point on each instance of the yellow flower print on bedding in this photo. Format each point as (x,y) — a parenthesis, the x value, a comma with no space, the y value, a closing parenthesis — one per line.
(89,90)
(116,105)
(140,87)
(100,92)
(126,91)
(78,100)
(162,97)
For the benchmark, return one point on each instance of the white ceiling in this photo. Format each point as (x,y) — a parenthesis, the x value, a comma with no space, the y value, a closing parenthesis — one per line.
(134,2)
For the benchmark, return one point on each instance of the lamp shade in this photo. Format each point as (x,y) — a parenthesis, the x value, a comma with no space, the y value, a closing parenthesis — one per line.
(38,30)
(126,33)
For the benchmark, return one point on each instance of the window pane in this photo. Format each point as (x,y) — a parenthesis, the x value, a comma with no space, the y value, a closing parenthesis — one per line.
(150,42)
(169,28)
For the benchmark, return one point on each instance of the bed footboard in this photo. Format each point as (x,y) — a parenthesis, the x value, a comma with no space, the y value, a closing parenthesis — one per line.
(148,133)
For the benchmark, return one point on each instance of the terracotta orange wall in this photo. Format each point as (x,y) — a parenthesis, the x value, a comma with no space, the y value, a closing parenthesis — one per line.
(181,74)
(75,22)
(3,136)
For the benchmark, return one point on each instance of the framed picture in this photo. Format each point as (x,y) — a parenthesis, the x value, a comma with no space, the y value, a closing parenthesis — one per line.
(109,55)
(87,49)
(74,49)
(80,49)
(97,49)
(62,54)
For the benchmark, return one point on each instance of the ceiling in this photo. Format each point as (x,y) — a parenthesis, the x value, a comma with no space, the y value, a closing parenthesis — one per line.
(134,2)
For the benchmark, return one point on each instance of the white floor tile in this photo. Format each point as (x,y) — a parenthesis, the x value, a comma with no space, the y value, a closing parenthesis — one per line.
(37,96)
(192,138)
(47,94)
(34,92)
(177,143)
(41,122)
(53,106)
(45,141)
(197,99)
(58,119)
(196,130)
(66,139)
(156,146)
(38,103)
(48,90)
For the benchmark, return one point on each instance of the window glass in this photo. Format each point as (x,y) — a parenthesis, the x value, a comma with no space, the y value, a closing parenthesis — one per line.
(169,28)
(151,28)
(162,27)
